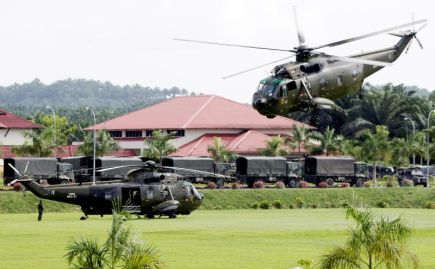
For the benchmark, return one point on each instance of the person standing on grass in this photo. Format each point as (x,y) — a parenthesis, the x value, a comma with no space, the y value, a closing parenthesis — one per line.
(40,210)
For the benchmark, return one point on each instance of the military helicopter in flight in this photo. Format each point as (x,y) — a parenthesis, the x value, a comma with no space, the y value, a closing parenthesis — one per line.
(315,79)
(147,190)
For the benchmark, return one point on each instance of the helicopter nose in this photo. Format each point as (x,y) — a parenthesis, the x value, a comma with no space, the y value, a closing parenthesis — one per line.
(260,103)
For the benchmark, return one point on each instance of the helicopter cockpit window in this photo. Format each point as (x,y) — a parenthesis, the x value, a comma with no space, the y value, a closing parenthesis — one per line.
(282,91)
(311,68)
(266,89)
(291,86)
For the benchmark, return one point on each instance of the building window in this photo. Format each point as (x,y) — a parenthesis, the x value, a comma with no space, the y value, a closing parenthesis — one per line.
(134,133)
(115,133)
(176,132)
(149,133)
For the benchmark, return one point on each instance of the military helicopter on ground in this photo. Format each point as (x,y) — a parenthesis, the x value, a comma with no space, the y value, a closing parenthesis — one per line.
(315,79)
(147,190)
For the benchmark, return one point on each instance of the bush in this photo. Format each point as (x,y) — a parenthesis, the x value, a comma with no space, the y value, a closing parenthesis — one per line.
(291,206)
(429,205)
(302,184)
(345,185)
(280,185)
(314,205)
(367,184)
(278,204)
(264,204)
(235,185)
(382,204)
(300,202)
(255,205)
(323,185)
(345,204)
(17,186)
(259,184)
(211,185)
(407,183)
(390,181)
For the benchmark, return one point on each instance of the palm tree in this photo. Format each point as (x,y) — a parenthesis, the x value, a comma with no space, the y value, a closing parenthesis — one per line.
(329,142)
(158,146)
(104,144)
(275,146)
(373,243)
(300,136)
(399,152)
(120,250)
(219,152)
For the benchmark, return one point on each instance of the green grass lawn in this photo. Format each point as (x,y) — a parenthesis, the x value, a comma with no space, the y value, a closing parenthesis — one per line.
(206,239)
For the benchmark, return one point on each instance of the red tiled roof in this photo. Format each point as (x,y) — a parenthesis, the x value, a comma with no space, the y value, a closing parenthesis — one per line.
(246,143)
(197,112)
(9,120)
(68,151)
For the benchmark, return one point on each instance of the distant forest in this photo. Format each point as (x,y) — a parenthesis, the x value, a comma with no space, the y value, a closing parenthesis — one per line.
(70,97)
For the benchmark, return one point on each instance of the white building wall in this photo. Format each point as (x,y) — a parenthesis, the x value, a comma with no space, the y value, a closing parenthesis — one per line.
(13,137)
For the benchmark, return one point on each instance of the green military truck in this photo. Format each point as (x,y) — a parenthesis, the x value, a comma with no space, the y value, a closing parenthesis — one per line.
(49,169)
(267,169)
(332,169)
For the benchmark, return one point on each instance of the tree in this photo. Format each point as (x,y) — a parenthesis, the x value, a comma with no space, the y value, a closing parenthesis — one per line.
(219,152)
(104,144)
(373,243)
(158,146)
(38,143)
(275,146)
(399,152)
(329,142)
(120,250)
(300,136)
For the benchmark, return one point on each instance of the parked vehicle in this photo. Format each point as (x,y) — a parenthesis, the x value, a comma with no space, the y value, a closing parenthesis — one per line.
(49,169)
(83,166)
(267,169)
(381,171)
(294,173)
(414,174)
(204,164)
(331,169)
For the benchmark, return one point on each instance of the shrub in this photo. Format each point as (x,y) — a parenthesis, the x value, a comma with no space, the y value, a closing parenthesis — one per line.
(407,183)
(429,205)
(264,204)
(277,204)
(235,185)
(345,185)
(291,206)
(314,205)
(280,185)
(300,202)
(17,186)
(367,184)
(255,205)
(211,185)
(345,204)
(305,263)
(302,184)
(323,185)
(259,184)
(382,204)
(390,181)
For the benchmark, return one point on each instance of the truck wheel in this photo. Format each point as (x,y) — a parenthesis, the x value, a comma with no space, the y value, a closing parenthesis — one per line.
(359,182)
(330,182)
(292,183)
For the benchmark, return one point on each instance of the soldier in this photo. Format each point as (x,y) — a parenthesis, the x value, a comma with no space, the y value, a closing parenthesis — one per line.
(40,210)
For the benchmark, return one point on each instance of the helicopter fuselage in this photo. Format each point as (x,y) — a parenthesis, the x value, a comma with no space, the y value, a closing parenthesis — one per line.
(318,80)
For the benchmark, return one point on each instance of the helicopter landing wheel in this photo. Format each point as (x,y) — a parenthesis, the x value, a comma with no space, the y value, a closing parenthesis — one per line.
(172,216)
(150,216)
(315,120)
(84,217)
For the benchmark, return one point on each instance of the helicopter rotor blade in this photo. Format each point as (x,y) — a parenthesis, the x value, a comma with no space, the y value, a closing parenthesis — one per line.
(15,169)
(196,171)
(356,60)
(257,67)
(418,42)
(409,45)
(27,166)
(348,40)
(421,28)
(301,36)
(228,45)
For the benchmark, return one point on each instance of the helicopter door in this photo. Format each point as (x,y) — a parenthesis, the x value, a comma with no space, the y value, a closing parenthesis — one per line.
(131,196)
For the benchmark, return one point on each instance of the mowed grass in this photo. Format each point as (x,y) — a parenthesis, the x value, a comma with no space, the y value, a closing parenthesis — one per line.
(205,239)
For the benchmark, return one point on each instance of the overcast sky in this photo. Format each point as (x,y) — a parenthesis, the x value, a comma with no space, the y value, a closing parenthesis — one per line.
(129,42)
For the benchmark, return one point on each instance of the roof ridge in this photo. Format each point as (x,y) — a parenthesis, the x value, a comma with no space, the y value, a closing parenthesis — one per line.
(195,146)
(241,140)
(198,111)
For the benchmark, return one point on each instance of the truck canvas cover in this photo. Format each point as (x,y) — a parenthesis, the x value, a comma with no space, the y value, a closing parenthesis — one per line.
(261,166)
(108,162)
(329,166)
(197,163)
(38,167)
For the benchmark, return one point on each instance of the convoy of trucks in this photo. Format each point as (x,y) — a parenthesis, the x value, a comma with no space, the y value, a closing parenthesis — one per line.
(246,169)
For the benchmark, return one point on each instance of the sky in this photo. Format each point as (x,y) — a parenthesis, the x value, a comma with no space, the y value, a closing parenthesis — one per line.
(131,41)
